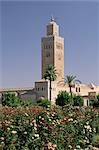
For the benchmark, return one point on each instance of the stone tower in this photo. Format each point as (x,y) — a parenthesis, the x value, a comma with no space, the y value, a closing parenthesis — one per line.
(53,49)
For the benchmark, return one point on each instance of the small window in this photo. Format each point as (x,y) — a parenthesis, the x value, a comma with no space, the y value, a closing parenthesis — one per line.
(38,89)
(42,88)
(76,89)
(79,89)
(48,54)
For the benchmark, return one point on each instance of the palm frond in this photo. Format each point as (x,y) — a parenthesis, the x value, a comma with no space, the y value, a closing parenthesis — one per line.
(50,73)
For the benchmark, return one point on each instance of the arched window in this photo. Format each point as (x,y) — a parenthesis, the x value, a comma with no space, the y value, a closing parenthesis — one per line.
(47,54)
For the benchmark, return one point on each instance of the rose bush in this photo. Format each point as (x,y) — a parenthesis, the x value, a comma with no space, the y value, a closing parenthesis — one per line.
(36,128)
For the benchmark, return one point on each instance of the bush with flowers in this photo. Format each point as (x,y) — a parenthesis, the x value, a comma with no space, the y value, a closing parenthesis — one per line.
(56,128)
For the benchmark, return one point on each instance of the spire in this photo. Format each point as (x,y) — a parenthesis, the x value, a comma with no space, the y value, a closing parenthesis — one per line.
(52,19)
(52,27)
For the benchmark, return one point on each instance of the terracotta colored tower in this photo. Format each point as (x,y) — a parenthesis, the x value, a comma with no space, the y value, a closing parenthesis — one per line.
(53,49)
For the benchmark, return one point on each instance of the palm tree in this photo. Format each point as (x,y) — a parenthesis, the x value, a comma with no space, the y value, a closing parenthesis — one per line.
(50,74)
(70,80)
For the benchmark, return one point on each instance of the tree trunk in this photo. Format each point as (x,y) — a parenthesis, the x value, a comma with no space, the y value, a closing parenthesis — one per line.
(71,94)
(50,89)
(70,89)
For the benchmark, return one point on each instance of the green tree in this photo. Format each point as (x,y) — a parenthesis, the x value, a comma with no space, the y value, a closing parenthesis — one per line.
(50,74)
(63,98)
(97,97)
(78,100)
(44,102)
(95,102)
(10,99)
(29,102)
(70,80)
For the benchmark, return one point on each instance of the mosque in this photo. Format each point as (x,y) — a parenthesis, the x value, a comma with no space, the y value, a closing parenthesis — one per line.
(52,52)
(52,46)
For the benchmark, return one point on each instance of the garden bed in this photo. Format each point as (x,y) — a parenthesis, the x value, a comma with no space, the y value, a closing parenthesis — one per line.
(37,128)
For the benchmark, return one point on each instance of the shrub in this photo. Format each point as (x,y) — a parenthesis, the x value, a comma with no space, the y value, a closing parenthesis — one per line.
(31,128)
(97,97)
(44,102)
(10,99)
(94,103)
(63,98)
(78,100)
(29,102)
(95,141)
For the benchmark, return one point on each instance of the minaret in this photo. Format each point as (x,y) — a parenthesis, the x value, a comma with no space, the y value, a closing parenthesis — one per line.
(53,49)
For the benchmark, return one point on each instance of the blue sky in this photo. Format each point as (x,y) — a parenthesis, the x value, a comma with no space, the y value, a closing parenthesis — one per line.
(22,25)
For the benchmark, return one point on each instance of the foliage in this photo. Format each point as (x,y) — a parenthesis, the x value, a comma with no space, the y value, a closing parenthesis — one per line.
(10,99)
(44,102)
(29,102)
(36,128)
(70,80)
(95,102)
(95,141)
(78,100)
(97,97)
(50,74)
(63,98)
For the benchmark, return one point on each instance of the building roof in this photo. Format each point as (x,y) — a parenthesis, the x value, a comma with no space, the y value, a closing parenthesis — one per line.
(42,80)
(15,89)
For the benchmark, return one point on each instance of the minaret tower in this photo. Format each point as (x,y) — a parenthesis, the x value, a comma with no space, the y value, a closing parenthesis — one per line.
(53,49)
